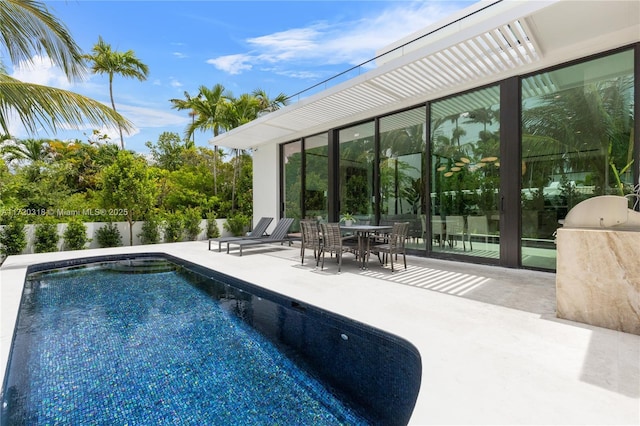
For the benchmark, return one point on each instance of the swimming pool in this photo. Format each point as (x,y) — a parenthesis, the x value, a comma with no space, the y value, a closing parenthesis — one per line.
(179,343)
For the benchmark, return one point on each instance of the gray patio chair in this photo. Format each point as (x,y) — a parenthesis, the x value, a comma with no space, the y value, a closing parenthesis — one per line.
(456,229)
(478,226)
(258,231)
(395,244)
(334,242)
(310,237)
(279,235)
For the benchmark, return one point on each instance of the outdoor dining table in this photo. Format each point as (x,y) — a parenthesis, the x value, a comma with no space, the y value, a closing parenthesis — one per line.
(363,232)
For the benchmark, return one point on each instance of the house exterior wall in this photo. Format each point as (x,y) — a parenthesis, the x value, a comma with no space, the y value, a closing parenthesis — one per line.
(558,41)
(266,183)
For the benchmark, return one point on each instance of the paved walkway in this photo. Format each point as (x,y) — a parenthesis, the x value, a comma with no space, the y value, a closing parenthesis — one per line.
(492,350)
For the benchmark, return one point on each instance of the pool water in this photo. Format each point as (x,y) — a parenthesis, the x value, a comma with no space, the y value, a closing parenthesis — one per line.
(97,345)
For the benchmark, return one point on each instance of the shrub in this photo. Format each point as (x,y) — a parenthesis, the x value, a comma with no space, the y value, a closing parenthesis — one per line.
(237,224)
(46,238)
(75,236)
(191,221)
(212,226)
(109,236)
(13,238)
(173,227)
(150,230)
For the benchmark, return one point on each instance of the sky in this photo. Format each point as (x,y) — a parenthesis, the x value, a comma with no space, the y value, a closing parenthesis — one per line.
(276,46)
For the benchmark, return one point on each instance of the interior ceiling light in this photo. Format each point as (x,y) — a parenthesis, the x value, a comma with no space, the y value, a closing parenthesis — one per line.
(455,169)
(465,160)
(489,159)
(460,163)
(448,174)
(441,168)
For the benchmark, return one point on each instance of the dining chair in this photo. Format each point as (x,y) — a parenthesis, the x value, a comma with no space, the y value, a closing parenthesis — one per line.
(478,226)
(437,230)
(396,244)
(456,229)
(310,237)
(333,242)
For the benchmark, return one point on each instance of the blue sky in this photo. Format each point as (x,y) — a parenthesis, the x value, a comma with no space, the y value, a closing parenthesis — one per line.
(277,46)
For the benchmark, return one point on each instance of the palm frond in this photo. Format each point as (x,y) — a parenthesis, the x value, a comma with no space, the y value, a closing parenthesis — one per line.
(27,28)
(47,107)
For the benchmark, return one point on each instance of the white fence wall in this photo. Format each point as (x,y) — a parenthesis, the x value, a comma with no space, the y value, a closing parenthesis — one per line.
(123,227)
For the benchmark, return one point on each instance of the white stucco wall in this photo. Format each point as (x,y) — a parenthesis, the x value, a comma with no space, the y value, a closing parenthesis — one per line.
(266,181)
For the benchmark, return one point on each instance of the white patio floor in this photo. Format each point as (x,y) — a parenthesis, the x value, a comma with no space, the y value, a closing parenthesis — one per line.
(492,350)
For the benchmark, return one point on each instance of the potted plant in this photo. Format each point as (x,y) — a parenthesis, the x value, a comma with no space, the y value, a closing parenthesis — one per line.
(348,219)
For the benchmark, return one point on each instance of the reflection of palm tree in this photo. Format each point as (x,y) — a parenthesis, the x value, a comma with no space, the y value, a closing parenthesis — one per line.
(443,145)
(592,127)
(457,131)
(110,62)
(483,116)
(395,174)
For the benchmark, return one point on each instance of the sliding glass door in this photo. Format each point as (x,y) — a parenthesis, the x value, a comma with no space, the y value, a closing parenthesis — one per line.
(577,142)
(465,174)
(316,177)
(356,171)
(402,168)
(292,182)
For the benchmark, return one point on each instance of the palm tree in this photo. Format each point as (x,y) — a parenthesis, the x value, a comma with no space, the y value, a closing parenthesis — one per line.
(26,150)
(267,104)
(27,28)
(240,111)
(186,103)
(210,108)
(111,62)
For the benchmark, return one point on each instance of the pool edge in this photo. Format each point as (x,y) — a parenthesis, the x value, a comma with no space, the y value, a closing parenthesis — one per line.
(18,267)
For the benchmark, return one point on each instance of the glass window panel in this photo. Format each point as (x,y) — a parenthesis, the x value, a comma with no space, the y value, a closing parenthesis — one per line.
(577,142)
(402,188)
(292,181)
(316,176)
(465,174)
(356,171)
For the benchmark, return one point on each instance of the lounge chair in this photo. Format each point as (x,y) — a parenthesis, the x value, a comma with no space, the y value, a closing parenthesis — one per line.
(279,235)
(258,232)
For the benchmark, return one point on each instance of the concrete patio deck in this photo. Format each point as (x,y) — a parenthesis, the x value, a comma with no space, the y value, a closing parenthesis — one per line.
(492,350)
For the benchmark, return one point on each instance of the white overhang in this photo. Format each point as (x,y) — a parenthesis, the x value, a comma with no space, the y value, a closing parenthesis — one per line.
(488,42)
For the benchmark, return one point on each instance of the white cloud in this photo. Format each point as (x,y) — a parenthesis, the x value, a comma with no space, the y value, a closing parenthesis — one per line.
(285,45)
(41,71)
(152,115)
(140,117)
(143,117)
(232,64)
(179,55)
(352,42)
